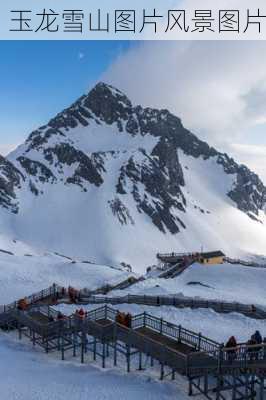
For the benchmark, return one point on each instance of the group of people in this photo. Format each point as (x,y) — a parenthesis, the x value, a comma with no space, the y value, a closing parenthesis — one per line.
(254,345)
(124,319)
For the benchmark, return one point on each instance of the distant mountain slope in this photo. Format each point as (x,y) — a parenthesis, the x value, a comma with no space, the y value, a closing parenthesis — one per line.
(120,182)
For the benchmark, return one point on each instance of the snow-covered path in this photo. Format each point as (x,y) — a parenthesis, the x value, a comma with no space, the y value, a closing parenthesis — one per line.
(26,374)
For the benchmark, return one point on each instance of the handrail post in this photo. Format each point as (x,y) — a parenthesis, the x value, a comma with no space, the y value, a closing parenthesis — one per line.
(187,364)
(220,358)
(199,341)
(144,319)
(161,326)
(179,332)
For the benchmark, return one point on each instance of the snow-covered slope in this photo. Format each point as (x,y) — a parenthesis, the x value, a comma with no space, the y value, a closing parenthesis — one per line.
(34,376)
(118,183)
(225,282)
(24,271)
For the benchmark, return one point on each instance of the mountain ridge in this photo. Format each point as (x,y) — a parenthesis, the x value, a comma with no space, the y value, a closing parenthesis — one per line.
(102,137)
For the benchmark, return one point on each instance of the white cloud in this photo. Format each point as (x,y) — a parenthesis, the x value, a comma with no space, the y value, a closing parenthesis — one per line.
(7,148)
(252,155)
(217,88)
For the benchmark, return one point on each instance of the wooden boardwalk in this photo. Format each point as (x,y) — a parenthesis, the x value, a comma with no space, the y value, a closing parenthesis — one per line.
(207,364)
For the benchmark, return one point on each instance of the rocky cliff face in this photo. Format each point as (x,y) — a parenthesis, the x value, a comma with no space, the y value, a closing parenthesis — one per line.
(10,181)
(102,137)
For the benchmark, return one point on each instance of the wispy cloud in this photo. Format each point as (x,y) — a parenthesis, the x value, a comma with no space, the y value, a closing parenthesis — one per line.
(252,155)
(7,148)
(217,88)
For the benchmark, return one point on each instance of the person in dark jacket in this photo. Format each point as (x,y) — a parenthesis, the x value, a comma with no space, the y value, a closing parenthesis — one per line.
(258,340)
(251,350)
(264,347)
(51,318)
(128,319)
(258,337)
(231,345)
(60,316)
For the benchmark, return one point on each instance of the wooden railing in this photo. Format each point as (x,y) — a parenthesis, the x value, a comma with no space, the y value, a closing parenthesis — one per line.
(34,298)
(244,263)
(175,332)
(208,354)
(169,255)
(221,307)
(242,356)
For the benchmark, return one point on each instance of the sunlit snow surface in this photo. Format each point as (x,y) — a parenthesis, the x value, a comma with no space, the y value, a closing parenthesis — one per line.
(29,374)
(224,282)
(26,374)
(66,219)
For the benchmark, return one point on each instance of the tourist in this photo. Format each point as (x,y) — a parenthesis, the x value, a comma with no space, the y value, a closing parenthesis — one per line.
(232,346)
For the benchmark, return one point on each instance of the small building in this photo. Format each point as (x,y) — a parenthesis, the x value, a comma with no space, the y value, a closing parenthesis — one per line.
(212,257)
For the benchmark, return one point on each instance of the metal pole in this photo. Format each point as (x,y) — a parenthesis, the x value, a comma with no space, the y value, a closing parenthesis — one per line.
(140,361)
(261,392)
(128,358)
(103,355)
(162,372)
(94,348)
(62,348)
(206,383)
(74,338)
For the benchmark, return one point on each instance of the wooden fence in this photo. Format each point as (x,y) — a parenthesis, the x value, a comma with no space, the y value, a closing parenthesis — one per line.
(221,307)
(34,298)
(244,263)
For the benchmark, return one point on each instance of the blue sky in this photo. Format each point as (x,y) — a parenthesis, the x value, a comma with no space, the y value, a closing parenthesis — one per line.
(38,79)
(217,88)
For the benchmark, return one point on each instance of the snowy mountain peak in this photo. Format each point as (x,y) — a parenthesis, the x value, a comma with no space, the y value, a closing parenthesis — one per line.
(103,162)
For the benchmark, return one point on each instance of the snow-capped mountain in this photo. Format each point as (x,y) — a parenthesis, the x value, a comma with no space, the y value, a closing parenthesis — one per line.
(118,183)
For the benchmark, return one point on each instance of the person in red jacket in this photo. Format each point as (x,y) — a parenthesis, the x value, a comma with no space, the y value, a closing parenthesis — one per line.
(81,314)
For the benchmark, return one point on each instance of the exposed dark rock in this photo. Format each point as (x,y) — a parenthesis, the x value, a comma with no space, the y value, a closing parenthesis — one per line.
(108,104)
(72,116)
(10,180)
(248,192)
(200,284)
(65,154)
(37,169)
(33,188)
(156,182)
(121,211)
(39,137)
(7,252)
(161,177)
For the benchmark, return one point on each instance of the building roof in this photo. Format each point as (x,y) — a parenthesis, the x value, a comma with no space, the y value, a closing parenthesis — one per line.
(213,254)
